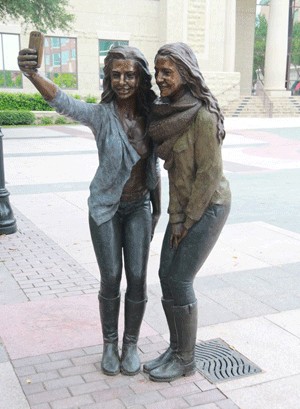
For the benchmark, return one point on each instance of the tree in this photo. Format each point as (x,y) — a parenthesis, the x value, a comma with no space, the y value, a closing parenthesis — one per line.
(295,59)
(42,14)
(261,28)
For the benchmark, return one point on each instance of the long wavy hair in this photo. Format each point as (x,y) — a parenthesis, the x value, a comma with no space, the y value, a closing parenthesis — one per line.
(145,95)
(186,62)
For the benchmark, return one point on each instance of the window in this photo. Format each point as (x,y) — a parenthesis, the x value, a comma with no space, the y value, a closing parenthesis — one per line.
(65,57)
(56,60)
(10,75)
(55,42)
(61,61)
(104,47)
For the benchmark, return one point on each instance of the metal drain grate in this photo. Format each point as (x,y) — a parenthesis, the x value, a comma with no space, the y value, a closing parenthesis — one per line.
(218,362)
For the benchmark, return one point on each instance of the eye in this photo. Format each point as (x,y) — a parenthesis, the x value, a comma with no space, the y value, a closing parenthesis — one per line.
(130,76)
(115,75)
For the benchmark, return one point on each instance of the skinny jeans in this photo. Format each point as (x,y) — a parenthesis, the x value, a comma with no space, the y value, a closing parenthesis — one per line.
(178,267)
(127,235)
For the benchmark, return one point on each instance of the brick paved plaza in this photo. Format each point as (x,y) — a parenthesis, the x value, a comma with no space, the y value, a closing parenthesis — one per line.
(248,290)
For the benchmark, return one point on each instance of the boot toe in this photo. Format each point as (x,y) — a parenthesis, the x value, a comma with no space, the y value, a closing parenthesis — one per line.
(162,359)
(130,361)
(172,370)
(110,370)
(110,363)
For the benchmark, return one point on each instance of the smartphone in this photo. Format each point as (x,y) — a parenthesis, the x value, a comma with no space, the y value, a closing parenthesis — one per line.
(36,41)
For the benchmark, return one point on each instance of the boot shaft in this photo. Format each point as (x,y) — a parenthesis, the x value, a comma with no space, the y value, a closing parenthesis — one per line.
(168,310)
(186,320)
(134,313)
(181,363)
(109,309)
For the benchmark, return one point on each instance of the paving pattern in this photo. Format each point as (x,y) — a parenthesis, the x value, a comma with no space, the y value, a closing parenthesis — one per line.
(248,290)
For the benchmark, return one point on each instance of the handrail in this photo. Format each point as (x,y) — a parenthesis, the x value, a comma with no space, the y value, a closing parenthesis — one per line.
(268,104)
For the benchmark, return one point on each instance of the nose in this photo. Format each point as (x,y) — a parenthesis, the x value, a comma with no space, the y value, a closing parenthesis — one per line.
(122,79)
(159,78)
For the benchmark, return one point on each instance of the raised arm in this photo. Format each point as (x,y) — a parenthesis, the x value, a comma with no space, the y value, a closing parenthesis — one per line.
(27,61)
(64,104)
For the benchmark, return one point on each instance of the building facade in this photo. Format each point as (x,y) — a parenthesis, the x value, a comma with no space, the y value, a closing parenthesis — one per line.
(221,33)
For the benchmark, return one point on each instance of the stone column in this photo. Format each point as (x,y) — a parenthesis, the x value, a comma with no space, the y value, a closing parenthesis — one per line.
(245,28)
(173,21)
(276,48)
(229,49)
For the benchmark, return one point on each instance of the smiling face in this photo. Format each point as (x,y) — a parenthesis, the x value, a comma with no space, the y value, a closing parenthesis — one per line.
(124,78)
(168,78)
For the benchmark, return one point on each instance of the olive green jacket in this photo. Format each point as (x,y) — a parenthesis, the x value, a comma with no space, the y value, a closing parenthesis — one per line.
(196,178)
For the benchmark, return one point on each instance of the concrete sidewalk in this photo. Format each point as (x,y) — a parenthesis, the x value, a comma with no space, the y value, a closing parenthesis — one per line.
(248,290)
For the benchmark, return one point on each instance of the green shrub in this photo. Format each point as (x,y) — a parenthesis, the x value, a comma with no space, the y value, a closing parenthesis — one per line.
(20,101)
(90,99)
(11,79)
(46,120)
(16,118)
(64,80)
(61,120)
(30,102)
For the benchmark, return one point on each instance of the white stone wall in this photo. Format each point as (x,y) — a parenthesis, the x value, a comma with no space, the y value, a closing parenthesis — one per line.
(196,25)
(214,57)
(133,20)
(147,24)
(224,85)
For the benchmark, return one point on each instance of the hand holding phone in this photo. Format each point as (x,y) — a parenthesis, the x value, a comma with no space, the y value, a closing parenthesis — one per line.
(36,42)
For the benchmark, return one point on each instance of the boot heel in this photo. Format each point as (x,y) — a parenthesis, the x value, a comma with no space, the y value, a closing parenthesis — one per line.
(189,369)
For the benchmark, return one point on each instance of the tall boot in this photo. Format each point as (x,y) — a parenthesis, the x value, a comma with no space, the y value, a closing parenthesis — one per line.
(109,315)
(167,355)
(134,312)
(183,361)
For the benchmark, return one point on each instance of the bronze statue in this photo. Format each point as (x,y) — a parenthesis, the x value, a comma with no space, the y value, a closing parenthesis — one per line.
(124,189)
(187,127)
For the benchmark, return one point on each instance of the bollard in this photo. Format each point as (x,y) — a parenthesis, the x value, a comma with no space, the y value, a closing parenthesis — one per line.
(7,221)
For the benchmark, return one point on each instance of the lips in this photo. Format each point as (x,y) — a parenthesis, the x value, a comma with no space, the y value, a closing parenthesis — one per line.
(163,88)
(123,90)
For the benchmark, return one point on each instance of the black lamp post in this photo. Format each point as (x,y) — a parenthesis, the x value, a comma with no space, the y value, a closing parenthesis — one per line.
(7,221)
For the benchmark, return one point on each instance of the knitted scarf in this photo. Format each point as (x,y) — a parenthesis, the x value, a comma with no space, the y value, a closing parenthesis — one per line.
(169,121)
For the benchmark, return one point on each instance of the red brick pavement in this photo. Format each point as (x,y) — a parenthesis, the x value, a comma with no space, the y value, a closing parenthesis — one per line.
(51,332)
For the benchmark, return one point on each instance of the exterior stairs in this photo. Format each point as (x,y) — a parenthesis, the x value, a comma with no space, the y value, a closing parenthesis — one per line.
(253,106)
(286,106)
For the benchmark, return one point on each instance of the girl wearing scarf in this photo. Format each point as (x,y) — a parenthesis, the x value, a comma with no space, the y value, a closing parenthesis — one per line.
(187,128)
